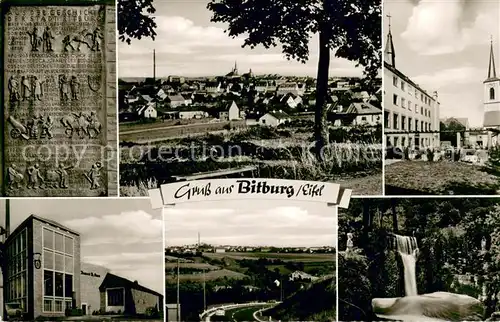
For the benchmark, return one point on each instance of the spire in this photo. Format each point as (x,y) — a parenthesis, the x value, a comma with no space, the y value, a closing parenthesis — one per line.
(492,73)
(389,53)
(235,70)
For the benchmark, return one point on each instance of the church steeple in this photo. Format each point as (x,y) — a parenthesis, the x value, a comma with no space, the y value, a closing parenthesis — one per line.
(389,53)
(492,73)
(235,69)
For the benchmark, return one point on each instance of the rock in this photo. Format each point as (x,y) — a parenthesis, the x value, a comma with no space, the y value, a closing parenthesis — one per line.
(439,306)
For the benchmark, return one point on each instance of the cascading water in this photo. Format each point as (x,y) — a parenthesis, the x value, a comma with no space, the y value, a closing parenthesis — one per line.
(408,250)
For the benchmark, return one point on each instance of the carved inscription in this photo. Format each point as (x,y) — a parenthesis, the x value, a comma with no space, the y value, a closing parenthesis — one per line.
(55,101)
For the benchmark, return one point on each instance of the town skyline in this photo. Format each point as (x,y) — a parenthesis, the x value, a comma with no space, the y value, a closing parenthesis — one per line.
(113,239)
(444,47)
(188,44)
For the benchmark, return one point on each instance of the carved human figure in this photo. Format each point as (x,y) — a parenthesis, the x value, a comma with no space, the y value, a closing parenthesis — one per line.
(96,37)
(26,86)
(14,177)
(62,171)
(74,87)
(94,124)
(32,127)
(46,125)
(93,175)
(47,38)
(64,87)
(67,43)
(35,39)
(13,89)
(350,243)
(37,88)
(33,176)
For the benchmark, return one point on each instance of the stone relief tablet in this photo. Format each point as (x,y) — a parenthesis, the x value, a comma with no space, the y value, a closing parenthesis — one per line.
(59,127)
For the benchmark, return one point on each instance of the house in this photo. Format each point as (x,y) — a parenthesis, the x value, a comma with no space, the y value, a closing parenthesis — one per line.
(192,114)
(365,113)
(147,111)
(274,118)
(291,87)
(362,96)
(230,112)
(219,250)
(161,94)
(178,100)
(291,100)
(119,294)
(299,275)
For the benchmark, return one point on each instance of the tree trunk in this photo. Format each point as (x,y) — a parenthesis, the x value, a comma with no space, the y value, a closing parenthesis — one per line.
(394,217)
(320,122)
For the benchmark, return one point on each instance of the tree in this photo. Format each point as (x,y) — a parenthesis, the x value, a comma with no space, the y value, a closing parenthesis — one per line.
(135,20)
(351,28)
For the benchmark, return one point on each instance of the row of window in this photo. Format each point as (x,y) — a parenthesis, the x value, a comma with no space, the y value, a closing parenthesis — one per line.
(396,100)
(401,122)
(407,88)
(406,142)
(17,289)
(18,244)
(56,305)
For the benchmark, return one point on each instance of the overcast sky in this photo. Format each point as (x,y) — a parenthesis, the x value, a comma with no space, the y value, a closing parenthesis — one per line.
(188,44)
(122,235)
(444,45)
(251,223)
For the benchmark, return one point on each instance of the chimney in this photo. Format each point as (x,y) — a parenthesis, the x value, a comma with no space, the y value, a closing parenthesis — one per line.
(435,95)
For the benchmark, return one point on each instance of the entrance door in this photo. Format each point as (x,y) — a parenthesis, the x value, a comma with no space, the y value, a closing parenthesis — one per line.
(84,309)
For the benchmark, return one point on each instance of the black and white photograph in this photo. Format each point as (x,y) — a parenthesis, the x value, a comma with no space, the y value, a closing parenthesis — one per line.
(441,97)
(250,260)
(263,89)
(81,260)
(419,259)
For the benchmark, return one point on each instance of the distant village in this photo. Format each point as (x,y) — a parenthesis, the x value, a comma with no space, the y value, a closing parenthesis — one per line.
(206,248)
(268,100)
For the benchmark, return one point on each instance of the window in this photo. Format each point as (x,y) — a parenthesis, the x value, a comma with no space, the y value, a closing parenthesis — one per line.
(16,284)
(403,102)
(402,85)
(394,99)
(403,123)
(394,81)
(410,123)
(409,106)
(58,264)
(395,122)
(421,125)
(416,125)
(492,93)
(422,110)
(387,119)
(363,118)
(115,297)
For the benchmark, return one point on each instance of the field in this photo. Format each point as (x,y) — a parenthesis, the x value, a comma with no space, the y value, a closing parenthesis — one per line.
(284,152)
(282,256)
(442,178)
(209,275)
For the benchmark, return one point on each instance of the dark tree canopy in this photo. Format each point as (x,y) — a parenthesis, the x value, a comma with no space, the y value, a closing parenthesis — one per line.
(135,20)
(354,26)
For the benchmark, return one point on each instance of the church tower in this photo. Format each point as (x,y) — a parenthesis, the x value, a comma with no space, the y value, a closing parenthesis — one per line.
(389,53)
(491,96)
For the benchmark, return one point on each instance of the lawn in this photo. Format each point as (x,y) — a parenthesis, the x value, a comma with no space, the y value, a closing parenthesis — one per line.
(299,257)
(209,275)
(441,178)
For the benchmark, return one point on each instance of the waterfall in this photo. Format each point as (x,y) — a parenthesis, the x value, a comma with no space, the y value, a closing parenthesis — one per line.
(407,247)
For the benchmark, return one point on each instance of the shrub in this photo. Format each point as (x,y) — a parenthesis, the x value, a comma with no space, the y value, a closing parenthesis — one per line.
(430,155)
(74,312)
(152,312)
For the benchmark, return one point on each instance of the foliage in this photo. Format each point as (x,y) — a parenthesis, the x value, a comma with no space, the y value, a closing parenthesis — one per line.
(135,20)
(449,233)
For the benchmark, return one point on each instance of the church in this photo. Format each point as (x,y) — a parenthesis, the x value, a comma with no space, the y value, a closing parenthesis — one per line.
(492,95)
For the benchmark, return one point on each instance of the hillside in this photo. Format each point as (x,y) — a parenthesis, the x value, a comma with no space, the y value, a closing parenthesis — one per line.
(316,302)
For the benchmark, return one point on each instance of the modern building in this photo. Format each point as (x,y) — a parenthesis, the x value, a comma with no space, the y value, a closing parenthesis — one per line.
(45,275)
(410,112)
(491,95)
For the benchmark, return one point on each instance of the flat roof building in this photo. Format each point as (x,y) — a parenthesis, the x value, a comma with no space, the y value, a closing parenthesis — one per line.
(44,274)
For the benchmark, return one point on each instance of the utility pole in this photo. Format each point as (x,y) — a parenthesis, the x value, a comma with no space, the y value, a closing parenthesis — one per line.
(204,292)
(178,292)
(281,290)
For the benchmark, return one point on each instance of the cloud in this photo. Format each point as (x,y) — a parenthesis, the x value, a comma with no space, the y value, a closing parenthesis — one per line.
(123,228)
(444,27)
(450,77)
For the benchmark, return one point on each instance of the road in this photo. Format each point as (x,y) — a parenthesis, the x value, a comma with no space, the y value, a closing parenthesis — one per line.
(244,313)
